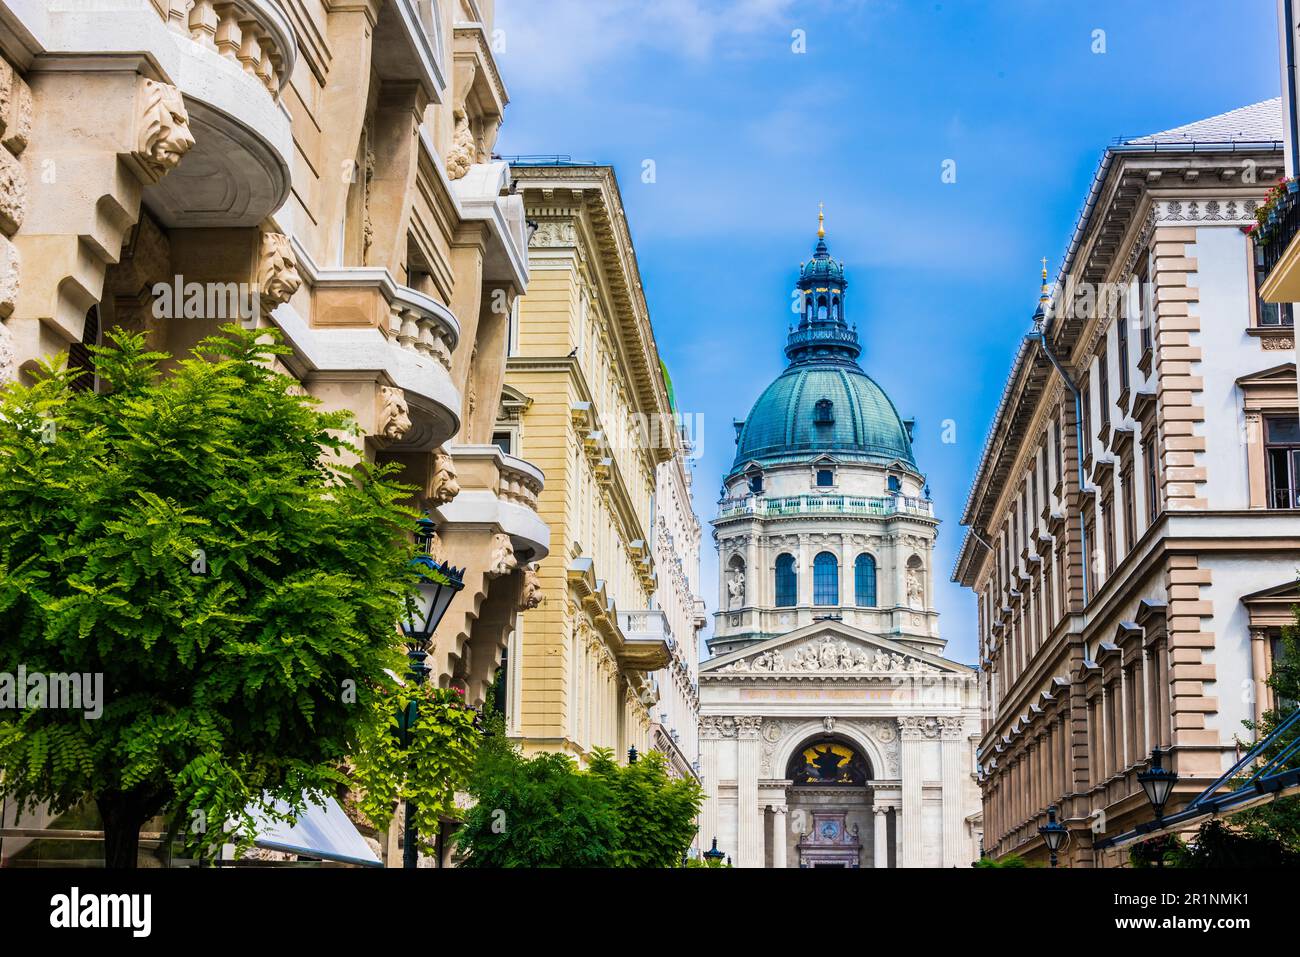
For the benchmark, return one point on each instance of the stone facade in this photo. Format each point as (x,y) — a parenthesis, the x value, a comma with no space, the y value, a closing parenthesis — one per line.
(1123,555)
(606,660)
(332,161)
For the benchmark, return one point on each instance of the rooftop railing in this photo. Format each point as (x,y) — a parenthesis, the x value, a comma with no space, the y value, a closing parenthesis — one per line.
(777,506)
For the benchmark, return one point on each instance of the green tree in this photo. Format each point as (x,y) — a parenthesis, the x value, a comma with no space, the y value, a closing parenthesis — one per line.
(1014,861)
(192,538)
(538,812)
(656,813)
(426,767)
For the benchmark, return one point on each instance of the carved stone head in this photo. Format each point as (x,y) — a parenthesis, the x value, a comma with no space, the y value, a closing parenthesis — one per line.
(532,594)
(502,560)
(277,273)
(443,487)
(394,415)
(164,128)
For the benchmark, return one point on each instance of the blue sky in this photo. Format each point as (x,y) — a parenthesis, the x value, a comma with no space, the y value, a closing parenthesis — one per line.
(748,136)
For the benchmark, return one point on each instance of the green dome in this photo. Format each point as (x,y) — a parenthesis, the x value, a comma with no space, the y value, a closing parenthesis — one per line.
(789,424)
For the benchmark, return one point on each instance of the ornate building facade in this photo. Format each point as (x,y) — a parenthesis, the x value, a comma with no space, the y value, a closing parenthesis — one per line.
(609,659)
(833,733)
(331,163)
(1133,522)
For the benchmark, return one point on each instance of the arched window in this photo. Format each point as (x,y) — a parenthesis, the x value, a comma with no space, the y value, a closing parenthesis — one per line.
(864,581)
(826,579)
(787,583)
(835,307)
(821,307)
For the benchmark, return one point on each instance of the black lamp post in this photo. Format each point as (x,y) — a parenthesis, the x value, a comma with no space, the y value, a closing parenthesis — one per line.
(1054,833)
(438,585)
(1158,783)
(713,854)
(631,755)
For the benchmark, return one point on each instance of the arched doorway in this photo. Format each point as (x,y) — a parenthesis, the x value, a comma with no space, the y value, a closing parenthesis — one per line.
(830,804)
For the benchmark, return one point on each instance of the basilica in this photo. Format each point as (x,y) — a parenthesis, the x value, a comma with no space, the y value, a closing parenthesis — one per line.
(833,732)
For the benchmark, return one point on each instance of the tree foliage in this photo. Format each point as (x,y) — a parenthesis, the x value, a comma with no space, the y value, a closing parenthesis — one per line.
(192,538)
(425,767)
(656,813)
(546,812)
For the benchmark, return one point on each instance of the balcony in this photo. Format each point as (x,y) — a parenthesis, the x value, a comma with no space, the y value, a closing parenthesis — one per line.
(499,491)
(364,326)
(647,639)
(228,60)
(1277,254)
(883,506)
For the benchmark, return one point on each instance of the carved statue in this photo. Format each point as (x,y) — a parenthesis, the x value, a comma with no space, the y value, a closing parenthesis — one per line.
(827,657)
(394,414)
(736,589)
(164,128)
(277,272)
(532,594)
(461,155)
(443,487)
(846,657)
(915,593)
(503,560)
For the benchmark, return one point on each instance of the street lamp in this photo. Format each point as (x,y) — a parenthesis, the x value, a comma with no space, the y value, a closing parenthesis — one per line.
(1158,783)
(439,582)
(1054,833)
(713,854)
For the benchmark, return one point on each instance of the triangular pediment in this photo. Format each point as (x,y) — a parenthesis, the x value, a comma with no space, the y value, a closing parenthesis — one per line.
(832,647)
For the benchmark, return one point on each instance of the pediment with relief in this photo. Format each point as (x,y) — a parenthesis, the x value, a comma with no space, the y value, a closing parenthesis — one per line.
(842,651)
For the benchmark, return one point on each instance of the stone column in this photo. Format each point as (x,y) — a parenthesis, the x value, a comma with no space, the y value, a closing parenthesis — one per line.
(880,840)
(779,835)
(954,823)
(1259,673)
(749,816)
(913,731)
(805,585)
(709,774)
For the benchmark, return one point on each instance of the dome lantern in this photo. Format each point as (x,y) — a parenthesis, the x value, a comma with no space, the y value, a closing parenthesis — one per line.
(822,334)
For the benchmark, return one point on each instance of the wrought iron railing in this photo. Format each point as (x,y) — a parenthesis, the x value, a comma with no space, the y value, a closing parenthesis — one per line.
(1275,235)
(778,506)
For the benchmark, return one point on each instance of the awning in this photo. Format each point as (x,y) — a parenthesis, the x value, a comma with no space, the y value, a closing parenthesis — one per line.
(321,831)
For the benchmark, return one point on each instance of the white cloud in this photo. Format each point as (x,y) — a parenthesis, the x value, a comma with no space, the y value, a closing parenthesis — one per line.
(569,40)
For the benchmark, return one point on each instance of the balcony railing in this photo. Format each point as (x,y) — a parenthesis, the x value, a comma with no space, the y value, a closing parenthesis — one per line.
(777,506)
(254,34)
(1273,238)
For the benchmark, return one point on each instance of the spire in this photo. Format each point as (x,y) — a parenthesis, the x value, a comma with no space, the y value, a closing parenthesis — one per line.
(1040,314)
(821,220)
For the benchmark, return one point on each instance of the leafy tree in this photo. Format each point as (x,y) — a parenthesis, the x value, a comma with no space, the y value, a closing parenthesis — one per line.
(1007,860)
(656,813)
(426,767)
(192,538)
(538,812)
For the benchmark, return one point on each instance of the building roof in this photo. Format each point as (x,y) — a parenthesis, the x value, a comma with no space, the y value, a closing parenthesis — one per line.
(1257,123)
(823,402)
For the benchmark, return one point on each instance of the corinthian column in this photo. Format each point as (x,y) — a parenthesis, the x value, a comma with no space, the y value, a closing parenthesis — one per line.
(709,773)
(749,816)
(880,840)
(954,823)
(778,835)
(914,731)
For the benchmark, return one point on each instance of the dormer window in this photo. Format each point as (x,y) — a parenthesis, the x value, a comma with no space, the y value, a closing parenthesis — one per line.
(823,412)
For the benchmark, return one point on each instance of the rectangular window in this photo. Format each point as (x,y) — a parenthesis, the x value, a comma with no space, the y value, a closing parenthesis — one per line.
(1086,402)
(1047,493)
(504,441)
(1108,543)
(1103,386)
(1060,452)
(1130,509)
(1146,308)
(1269,313)
(1152,473)
(1121,351)
(1282,453)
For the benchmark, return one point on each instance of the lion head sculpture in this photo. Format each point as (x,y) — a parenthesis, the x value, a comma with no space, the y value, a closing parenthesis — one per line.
(394,414)
(277,272)
(443,487)
(164,128)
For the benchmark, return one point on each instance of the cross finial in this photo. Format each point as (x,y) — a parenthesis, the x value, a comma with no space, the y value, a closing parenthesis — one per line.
(821,220)
(1044,269)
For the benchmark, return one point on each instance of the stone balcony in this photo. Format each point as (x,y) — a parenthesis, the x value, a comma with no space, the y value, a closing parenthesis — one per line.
(497,492)
(647,639)
(365,330)
(226,61)
(779,506)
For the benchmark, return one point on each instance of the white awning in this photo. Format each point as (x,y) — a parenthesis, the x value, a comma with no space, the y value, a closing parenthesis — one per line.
(321,831)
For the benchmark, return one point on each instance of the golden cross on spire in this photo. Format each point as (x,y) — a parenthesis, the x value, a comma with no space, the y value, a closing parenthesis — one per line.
(1044,269)
(821,220)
